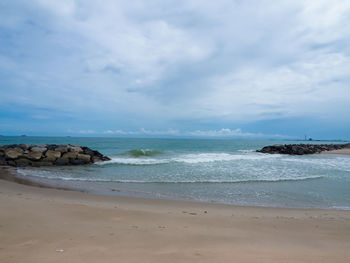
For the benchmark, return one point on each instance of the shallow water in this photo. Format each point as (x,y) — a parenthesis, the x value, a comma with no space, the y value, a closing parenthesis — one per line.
(223,171)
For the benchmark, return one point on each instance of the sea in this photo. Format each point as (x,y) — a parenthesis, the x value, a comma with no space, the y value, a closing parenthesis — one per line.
(204,170)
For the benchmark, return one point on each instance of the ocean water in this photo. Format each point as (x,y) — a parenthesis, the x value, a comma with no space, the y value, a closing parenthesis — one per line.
(221,171)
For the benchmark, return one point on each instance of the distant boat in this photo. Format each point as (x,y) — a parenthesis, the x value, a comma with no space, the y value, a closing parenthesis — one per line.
(23,135)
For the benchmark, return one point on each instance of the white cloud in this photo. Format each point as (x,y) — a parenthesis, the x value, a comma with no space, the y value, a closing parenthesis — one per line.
(143,131)
(307,87)
(225,132)
(87,132)
(144,49)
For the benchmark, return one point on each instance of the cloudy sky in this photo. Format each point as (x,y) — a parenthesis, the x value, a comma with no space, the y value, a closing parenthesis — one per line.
(253,68)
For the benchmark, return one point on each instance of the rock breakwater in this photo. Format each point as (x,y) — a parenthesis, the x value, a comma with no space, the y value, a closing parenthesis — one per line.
(48,154)
(301,149)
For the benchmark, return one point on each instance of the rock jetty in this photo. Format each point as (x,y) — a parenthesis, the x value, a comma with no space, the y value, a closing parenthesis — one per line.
(20,155)
(301,149)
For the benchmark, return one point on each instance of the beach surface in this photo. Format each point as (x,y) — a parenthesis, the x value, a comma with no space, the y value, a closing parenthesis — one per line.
(341,151)
(51,225)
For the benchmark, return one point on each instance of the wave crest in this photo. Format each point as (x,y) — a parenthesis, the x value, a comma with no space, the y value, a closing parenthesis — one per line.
(143,152)
(186,158)
(134,161)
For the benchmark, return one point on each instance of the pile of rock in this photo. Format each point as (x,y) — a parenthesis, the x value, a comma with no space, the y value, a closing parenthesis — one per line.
(48,155)
(301,149)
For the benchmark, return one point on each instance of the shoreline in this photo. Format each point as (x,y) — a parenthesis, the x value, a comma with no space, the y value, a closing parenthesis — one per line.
(7,173)
(50,225)
(10,174)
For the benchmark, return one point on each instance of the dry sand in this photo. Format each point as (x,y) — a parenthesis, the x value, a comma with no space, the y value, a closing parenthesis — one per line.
(341,151)
(48,225)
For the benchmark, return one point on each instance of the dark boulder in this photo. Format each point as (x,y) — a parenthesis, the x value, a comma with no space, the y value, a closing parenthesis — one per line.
(301,149)
(48,154)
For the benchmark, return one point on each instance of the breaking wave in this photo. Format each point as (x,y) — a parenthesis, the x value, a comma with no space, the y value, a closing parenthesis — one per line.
(187,158)
(142,152)
(134,161)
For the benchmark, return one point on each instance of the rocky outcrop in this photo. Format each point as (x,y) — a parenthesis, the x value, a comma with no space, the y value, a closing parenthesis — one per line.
(48,155)
(301,149)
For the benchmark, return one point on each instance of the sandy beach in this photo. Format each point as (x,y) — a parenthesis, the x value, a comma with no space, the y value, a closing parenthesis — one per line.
(341,151)
(51,225)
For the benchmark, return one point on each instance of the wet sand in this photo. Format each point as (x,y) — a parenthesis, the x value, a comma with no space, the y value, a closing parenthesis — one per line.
(51,225)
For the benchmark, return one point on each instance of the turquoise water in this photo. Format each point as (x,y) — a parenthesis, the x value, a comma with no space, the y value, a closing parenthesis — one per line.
(223,171)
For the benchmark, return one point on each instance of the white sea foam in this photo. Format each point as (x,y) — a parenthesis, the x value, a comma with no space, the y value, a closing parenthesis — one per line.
(217,157)
(324,162)
(66,176)
(341,207)
(134,161)
(192,158)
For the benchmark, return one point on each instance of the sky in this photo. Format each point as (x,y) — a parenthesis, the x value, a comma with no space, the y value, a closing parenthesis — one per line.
(224,68)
